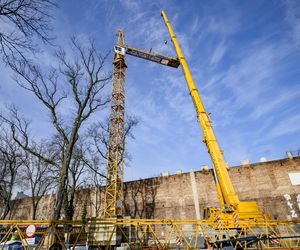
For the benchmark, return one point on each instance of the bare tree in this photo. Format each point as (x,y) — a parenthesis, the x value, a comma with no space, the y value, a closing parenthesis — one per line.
(77,169)
(39,176)
(11,159)
(139,198)
(77,82)
(94,174)
(21,22)
(98,184)
(98,132)
(97,153)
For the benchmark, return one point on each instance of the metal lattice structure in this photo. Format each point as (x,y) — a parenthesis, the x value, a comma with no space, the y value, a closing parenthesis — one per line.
(115,154)
(153,57)
(154,234)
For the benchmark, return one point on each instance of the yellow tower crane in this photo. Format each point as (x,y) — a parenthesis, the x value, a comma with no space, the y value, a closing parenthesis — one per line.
(115,149)
(230,205)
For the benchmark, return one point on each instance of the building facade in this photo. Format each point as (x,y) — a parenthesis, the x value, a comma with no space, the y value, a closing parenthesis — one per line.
(274,185)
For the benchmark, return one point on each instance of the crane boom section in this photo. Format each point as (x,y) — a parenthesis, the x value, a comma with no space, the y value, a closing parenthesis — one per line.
(228,192)
(153,57)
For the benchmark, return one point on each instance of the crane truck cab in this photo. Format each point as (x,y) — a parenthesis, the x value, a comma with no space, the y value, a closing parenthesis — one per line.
(208,211)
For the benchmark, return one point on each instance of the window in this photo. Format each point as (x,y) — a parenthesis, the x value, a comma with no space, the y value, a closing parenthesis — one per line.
(295,178)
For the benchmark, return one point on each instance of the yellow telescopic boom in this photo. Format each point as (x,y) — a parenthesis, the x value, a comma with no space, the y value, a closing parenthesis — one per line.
(203,118)
(231,200)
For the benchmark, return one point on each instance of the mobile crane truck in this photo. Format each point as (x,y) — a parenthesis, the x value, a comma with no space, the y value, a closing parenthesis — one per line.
(231,208)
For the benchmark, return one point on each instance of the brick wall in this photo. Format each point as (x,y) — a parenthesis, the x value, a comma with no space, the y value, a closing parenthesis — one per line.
(266,183)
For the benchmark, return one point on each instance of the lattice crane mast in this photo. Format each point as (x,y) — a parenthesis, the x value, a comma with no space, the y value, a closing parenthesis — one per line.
(115,151)
(115,148)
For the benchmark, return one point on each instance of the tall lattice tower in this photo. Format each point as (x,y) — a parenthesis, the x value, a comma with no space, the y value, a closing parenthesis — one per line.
(115,153)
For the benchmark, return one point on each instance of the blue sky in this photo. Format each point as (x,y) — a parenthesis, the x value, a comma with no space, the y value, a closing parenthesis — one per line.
(244,57)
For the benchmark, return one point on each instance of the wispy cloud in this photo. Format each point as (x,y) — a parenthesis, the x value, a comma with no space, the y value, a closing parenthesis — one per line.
(218,53)
(287,126)
(280,100)
(247,82)
(293,18)
(131,5)
(195,25)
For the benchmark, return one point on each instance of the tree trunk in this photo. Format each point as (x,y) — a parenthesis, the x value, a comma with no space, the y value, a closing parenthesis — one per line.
(61,189)
(60,194)
(5,210)
(34,209)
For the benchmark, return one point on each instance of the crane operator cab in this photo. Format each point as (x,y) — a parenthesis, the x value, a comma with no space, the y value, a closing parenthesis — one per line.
(120,50)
